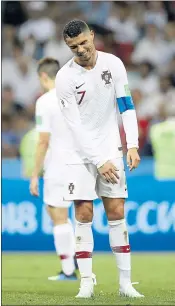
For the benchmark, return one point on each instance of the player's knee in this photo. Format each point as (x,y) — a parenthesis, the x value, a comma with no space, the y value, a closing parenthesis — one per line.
(58,220)
(116,211)
(84,216)
(58,215)
(83,212)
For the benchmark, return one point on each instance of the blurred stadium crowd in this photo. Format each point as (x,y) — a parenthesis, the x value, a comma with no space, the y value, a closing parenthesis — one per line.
(141,33)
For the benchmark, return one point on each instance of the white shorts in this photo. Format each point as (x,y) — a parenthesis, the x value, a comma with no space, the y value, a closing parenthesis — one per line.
(82,182)
(53,194)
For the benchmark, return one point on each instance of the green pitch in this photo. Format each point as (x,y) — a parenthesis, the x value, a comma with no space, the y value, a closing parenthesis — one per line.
(24,281)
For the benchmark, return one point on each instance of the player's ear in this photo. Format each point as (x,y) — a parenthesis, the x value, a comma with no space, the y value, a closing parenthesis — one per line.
(92,34)
(44,75)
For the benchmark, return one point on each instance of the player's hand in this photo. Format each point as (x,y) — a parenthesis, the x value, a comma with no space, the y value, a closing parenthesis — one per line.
(133,158)
(34,190)
(109,172)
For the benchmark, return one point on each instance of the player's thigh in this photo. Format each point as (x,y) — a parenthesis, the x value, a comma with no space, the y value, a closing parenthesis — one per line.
(109,190)
(58,215)
(79,182)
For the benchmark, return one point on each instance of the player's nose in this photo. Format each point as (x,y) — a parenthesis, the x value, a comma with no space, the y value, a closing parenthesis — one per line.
(80,50)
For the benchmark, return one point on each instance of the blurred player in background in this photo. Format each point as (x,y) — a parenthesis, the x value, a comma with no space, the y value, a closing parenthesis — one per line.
(27,151)
(51,150)
(162,137)
(87,89)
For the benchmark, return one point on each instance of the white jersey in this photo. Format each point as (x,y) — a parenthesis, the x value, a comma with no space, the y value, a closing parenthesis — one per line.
(88,102)
(49,119)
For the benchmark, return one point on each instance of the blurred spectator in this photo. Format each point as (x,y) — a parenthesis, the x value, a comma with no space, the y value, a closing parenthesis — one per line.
(8,37)
(14,13)
(148,80)
(9,139)
(57,48)
(20,73)
(10,107)
(32,48)
(95,11)
(150,106)
(166,95)
(152,48)
(123,24)
(171,70)
(170,8)
(170,41)
(156,14)
(39,25)
(20,125)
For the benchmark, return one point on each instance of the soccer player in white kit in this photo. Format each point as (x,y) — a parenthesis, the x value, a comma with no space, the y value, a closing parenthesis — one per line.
(89,87)
(51,152)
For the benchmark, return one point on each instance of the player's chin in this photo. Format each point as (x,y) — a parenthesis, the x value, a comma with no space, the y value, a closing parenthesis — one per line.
(86,56)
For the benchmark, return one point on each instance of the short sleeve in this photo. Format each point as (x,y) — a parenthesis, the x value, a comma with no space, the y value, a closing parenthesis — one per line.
(67,101)
(42,117)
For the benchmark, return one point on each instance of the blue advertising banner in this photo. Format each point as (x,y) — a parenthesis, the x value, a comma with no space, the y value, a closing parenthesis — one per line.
(150,215)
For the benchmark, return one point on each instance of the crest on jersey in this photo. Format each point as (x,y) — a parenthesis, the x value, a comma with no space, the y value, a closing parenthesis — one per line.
(106,77)
(71,188)
(63,103)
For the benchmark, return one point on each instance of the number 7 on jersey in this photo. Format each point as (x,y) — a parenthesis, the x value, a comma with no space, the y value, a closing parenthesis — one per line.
(82,93)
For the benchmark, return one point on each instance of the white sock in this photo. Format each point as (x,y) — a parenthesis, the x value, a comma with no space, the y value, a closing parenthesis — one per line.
(119,242)
(64,240)
(84,248)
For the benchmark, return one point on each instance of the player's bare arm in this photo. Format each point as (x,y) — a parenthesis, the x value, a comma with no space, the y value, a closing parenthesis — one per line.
(41,150)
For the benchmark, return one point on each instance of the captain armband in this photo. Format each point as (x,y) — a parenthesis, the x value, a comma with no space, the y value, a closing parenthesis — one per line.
(125,103)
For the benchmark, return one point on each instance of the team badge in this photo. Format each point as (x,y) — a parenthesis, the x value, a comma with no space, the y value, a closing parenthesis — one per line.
(71,188)
(63,103)
(107,77)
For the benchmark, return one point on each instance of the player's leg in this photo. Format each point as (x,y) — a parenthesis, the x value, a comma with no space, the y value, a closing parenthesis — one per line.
(63,232)
(113,197)
(81,188)
(84,246)
(64,241)
(84,237)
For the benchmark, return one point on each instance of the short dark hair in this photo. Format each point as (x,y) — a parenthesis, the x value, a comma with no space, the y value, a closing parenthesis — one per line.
(74,28)
(48,65)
